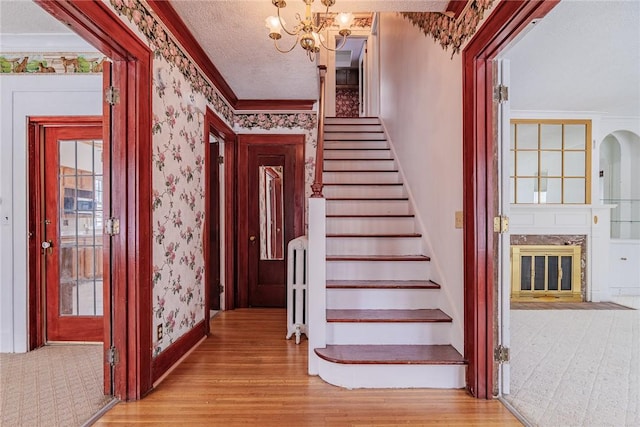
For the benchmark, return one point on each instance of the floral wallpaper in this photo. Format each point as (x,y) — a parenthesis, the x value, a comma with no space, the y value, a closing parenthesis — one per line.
(178,205)
(448,31)
(181,93)
(347,103)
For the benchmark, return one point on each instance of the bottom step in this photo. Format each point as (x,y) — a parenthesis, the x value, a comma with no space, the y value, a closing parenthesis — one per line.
(391,366)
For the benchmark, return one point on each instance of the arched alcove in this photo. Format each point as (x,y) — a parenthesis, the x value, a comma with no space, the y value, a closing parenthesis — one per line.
(620,182)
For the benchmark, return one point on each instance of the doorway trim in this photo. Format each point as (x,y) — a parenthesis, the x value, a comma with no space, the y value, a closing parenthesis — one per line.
(242,233)
(36,292)
(131,172)
(480,182)
(214,124)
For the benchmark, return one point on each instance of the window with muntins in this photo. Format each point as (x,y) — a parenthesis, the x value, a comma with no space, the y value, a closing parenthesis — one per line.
(550,161)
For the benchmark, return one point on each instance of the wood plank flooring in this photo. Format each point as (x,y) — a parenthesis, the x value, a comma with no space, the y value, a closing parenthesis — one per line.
(246,373)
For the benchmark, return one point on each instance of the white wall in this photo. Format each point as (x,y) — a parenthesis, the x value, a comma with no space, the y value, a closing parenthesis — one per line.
(22,96)
(421,108)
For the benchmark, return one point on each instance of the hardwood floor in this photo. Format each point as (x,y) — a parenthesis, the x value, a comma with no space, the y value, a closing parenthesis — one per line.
(246,373)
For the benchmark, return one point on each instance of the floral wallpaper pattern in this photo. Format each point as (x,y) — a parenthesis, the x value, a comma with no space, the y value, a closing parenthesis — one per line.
(347,103)
(178,206)
(448,31)
(181,95)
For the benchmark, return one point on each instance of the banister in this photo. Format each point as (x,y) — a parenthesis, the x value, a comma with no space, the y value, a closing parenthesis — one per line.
(317,185)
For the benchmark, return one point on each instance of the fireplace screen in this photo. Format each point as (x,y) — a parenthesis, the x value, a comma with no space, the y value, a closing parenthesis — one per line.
(547,272)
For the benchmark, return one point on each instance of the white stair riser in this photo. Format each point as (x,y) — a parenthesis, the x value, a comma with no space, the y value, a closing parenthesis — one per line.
(353,128)
(336,165)
(356,144)
(392,376)
(364,191)
(364,333)
(374,246)
(360,177)
(381,299)
(349,136)
(370,207)
(357,154)
(351,120)
(378,270)
(371,225)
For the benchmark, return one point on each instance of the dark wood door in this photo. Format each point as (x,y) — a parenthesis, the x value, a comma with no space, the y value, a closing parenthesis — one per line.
(72,244)
(271,198)
(271,209)
(214,222)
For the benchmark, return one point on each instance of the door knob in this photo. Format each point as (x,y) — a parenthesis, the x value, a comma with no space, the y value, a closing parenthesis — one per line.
(47,245)
(252,238)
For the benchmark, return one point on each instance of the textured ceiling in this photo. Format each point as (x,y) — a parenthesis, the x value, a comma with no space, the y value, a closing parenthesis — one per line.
(24,16)
(234,35)
(583,56)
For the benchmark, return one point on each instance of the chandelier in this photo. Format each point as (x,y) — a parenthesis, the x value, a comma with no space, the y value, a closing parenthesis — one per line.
(306,31)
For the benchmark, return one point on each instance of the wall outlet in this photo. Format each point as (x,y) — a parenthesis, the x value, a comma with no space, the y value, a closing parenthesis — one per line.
(459,219)
(159,332)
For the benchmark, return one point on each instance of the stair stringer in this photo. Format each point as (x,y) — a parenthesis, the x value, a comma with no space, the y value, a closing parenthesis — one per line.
(445,298)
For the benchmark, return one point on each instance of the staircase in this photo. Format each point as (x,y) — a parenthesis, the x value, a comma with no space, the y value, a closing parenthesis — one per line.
(384,328)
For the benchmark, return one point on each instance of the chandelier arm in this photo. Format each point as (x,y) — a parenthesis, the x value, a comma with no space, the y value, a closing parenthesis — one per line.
(284,28)
(342,43)
(324,21)
(275,43)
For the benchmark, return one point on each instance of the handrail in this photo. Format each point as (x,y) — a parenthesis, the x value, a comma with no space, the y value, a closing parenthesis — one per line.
(317,185)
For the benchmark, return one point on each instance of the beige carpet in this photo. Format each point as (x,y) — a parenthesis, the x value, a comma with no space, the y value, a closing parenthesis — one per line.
(576,367)
(60,385)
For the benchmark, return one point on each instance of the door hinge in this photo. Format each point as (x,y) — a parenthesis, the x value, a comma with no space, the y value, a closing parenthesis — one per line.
(501,224)
(220,160)
(501,93)
(111,226)
(501,354)
(220,288)
(112,95)
(112,356)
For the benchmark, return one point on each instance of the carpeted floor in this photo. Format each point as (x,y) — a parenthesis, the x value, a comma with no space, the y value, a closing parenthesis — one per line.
(576,367)
(59,385)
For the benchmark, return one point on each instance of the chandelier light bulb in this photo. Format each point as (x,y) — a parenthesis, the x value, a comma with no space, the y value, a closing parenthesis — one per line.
(274,26)
(344,20)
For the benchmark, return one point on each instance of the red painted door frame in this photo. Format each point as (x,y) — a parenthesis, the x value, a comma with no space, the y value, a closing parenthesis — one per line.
(131,172)
(214,124)
(37,127)
(480,184)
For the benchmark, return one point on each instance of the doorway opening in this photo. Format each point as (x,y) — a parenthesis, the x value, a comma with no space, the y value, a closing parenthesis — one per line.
(350,75)
(69,253)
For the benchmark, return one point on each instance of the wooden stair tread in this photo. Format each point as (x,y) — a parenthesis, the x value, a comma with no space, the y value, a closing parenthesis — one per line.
(392,354)
(382,284)
(370,216)
(386,235)
(363,183)
(366,198)
(426,315)
(361,170)
(365,159)
(378,258)
(355,149)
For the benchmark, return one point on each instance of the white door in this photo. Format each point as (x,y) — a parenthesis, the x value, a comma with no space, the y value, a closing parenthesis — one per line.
(504,271)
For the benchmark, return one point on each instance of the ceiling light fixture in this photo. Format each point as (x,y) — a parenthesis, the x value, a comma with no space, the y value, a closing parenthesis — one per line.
(307,32)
